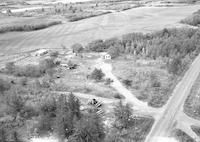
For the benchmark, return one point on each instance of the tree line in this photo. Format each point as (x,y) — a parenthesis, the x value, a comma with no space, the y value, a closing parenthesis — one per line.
(178,46)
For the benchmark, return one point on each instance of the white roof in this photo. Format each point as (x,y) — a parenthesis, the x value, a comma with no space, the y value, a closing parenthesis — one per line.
(42,51)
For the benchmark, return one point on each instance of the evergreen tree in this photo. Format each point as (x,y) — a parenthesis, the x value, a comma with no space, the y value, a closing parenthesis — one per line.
(16,137)
(88,129)
(68,111)
(3,134)
(123,116)
(97,74)
(74,106)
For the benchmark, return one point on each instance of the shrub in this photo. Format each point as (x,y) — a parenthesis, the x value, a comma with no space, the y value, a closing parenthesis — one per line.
(28,112)
(175,66)
(90,128)
(117,96)
(33,70)
(108,81)
(97,74)
(16,136)
(45,125)
(182,136)
(10,67)
(196,129)
(193,20)
(77,48)
(3,134)
(97,46)
(154,82)
(113,52)
(23,81)
(16,103)
(4,85)
(127,82)
(48,107)
(28,71)
(123,116)
(54,54)
(46,64)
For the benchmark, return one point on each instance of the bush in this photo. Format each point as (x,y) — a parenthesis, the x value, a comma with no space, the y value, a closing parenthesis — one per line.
(77,48)
(4,85)
(23,81)
(137,131)
(16,103)
(127,82)
(47,64)
(175,66)
(54,54)
(196,129)
(123,116)
(32,70)
(182,136)
(28,71)
(88,129)
(97,46)
(3,134)
(10,67)
(48,107)
(28,112)
(80,17)
(113,52)
(45,125)
(154,82)
(108,81)
(117,96)
(97,74)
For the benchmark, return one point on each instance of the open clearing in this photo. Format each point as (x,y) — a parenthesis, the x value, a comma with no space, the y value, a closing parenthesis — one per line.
(149,82)
(143,19)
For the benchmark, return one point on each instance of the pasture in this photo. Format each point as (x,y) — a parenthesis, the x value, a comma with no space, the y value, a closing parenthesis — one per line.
(144,19)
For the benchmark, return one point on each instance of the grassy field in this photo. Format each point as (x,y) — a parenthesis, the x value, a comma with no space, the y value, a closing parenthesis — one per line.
(192,104)
(137,131)
(196,129)
(149,80)
(101,27)
(77,81)
(182,136)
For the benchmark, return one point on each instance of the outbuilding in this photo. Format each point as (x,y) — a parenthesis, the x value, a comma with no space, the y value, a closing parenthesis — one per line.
(41,52)
(106,56)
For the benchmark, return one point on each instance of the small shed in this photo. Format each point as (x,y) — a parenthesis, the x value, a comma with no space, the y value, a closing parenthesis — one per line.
(106,56)
(41,52)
